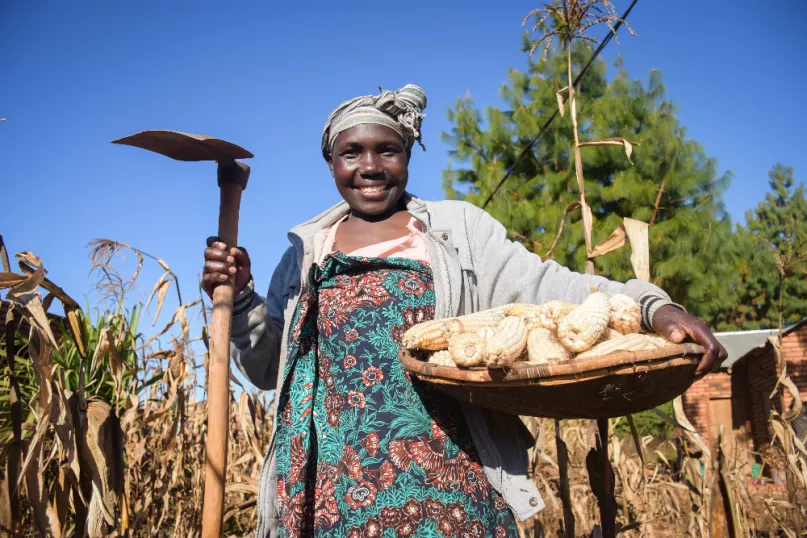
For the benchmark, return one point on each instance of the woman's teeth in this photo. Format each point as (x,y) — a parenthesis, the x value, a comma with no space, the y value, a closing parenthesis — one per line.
(370,190)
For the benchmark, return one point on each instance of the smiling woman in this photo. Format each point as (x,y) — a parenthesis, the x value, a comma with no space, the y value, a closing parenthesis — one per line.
(359,448)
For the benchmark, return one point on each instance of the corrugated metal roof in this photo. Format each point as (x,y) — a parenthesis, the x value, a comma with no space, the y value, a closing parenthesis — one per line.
(739,343)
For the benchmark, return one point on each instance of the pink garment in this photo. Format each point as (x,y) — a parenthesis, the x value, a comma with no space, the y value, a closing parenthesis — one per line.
(411,246)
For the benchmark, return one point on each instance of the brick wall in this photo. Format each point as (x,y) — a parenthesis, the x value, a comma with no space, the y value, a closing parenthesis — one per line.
(794,347)
(696,399)
(761,377)
(749,386)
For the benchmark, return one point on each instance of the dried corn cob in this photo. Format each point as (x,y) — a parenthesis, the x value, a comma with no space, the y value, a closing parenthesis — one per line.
(467,349)
(582,327)
(506,345)
(608,334)
(434,335)
(530,313)
(430,335)
(626,314)
(657,340)
(543,346)
(486,333)
(627,342)
(441,358)
(553,311)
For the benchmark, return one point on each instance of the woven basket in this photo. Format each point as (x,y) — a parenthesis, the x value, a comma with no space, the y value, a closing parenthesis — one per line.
(600,387)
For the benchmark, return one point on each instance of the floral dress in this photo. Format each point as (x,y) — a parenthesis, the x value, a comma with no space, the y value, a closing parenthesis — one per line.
(362,449)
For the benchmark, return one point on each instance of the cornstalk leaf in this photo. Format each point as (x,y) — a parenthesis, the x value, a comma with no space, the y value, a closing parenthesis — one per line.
(163,265)
(139,266)
(34,314)
(156,288)
(179,315)
(569,208)
(637,232)
(10,280)
(561,100)
(616,240)
(613,141)
(161,299)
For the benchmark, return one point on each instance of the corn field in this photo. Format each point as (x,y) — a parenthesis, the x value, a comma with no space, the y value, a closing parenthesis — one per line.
(103,432)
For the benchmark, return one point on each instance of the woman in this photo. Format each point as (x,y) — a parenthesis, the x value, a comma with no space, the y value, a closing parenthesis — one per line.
(359,449)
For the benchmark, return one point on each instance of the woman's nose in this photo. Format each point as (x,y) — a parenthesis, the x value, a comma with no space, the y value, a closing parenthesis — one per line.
(369,164)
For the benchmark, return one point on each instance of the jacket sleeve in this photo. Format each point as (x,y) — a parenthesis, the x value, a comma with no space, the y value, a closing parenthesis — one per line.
(257,327)
(507,272)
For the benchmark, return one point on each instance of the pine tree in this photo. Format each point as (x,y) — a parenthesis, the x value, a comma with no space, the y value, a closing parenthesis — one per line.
(778,222)
(671,184)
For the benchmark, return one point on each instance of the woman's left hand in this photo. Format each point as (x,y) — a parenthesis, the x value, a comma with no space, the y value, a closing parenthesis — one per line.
(676,325)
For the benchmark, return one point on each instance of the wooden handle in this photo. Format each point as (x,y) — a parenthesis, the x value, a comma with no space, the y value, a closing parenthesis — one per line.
(218,374)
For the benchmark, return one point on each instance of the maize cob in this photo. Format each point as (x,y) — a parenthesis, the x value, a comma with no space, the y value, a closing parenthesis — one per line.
(581,328)
(434,335)
(626,314)
(553,311)
(608,334)
(543,346)
(441,358)
(486,333)
(430,335)
(530,313)
(467,349)
(657,340)
(506,345)
(627,342)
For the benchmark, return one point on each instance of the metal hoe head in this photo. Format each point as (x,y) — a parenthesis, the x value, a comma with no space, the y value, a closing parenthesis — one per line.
(193,147)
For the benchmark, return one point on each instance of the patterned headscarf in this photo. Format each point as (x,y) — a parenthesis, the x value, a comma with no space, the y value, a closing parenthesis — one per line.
(400,110)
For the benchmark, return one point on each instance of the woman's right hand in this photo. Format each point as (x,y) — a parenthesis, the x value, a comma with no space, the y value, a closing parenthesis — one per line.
(221,265)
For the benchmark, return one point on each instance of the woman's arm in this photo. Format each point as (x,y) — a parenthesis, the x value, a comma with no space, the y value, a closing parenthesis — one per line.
(257,329)
(507,272)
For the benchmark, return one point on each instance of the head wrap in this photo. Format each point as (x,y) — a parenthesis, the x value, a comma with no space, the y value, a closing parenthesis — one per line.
(400,110)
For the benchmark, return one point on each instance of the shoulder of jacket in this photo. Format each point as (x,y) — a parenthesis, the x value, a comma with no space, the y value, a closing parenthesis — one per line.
(448,212)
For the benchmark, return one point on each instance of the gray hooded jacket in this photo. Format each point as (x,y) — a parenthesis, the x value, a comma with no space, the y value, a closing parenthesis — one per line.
(476,267)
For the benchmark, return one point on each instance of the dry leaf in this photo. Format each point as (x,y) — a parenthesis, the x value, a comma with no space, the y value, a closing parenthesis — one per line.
(613,141)
(156,288)
(9,280)
(100,449)
(640,247)
(616,240)
(569,208)
(559,95)
(163,265)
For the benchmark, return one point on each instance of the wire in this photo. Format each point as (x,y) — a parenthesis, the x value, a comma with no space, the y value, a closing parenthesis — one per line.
(549,121)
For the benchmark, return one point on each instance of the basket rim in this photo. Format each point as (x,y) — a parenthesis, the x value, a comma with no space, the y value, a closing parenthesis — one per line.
(624,362)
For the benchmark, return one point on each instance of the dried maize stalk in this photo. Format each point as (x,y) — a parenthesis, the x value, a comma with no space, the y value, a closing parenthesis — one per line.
(553,311)
(543,346)
(505,347)
(441,358)
(582,327)
(627,342)
(626,314)
(467,349)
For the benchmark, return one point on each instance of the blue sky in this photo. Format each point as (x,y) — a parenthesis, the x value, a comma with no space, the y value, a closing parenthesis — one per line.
(76,75)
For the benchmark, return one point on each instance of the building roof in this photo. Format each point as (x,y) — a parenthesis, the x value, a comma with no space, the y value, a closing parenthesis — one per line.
(740,343)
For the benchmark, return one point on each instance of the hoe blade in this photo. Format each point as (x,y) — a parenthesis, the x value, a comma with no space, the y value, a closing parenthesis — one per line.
(185,146)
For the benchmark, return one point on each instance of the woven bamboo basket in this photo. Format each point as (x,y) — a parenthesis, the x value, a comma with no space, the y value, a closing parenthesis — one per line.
(599,387)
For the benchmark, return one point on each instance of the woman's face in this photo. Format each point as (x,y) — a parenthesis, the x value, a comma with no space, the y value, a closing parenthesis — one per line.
(370,165)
